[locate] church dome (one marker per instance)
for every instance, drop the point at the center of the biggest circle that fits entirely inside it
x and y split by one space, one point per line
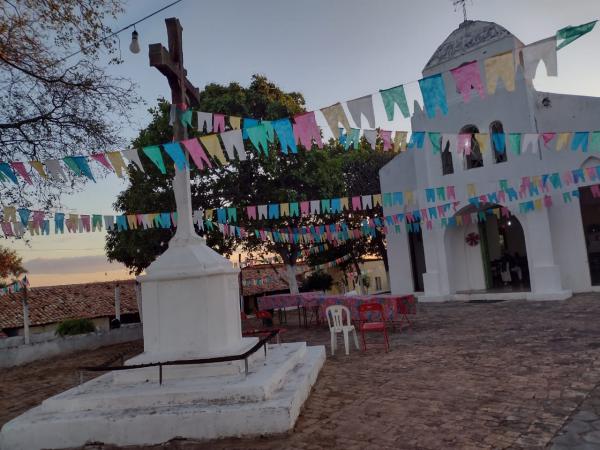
470 35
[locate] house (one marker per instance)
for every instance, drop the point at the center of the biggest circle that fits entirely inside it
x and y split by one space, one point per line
556 247
48 306
373 272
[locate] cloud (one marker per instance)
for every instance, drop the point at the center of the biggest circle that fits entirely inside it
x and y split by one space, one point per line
75 264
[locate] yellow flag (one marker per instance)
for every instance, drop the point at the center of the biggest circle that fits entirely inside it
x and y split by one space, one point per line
538 203
235 122
482 139
39 167
284 209
471 191
118 163
344 203
213 147
132 221
400 141
377 199
408 196
459 220
562 141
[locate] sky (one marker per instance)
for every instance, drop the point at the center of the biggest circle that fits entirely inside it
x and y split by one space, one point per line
329 50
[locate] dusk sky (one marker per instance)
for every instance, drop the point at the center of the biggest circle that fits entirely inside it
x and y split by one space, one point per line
329 50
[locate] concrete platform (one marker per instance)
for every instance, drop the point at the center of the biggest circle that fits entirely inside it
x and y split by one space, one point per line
268 400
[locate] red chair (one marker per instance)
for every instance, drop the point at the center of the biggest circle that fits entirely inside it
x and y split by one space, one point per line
365 312
259 331
405 305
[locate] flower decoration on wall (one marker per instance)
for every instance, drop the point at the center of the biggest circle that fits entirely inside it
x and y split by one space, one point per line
472 239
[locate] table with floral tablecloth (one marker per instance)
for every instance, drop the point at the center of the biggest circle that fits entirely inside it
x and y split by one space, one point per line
393 305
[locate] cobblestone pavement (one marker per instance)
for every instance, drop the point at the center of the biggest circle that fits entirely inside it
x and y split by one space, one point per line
582 431
470 376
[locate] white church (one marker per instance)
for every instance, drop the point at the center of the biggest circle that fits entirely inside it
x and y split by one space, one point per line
552 252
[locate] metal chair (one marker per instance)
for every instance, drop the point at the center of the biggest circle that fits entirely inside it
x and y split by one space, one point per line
365 312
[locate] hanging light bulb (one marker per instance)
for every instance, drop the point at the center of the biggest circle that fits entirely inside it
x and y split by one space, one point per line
134 47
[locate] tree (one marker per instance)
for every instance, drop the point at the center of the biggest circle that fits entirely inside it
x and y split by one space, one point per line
261 179
55 99
317 281
11 264
151 191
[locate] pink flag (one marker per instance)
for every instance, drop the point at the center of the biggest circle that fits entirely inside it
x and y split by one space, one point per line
595 190
468 77
547 201
501 196
218 123
7 229
429 225
356 205
306 129
251 212
450 193
591 173
505 212
567 177
38 218
424 214
441 211
466 219
101 158
20 168
386 136
85 222
305 208
547 137
197 153
464 143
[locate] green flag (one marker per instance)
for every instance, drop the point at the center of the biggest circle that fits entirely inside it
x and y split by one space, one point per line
394 96
569 34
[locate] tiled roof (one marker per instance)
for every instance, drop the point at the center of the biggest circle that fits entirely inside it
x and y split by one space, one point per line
261 271
56 303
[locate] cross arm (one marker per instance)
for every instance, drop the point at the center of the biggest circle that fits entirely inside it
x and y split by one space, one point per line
161 59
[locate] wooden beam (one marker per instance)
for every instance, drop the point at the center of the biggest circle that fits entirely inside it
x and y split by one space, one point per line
161 59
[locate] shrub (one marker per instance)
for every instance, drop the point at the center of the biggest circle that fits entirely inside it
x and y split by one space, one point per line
75 326
317 281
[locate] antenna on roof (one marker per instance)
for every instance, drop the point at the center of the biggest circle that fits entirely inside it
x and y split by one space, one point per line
463 3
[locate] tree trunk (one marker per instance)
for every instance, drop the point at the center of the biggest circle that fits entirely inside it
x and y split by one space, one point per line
291 276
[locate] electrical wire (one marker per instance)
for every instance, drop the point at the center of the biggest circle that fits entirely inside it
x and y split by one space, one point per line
133 24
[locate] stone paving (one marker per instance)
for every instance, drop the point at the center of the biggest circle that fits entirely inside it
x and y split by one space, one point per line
513 374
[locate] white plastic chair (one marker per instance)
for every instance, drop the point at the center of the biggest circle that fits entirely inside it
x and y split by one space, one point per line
335 320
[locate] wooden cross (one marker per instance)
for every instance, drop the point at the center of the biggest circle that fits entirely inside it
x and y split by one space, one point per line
170 64
464 7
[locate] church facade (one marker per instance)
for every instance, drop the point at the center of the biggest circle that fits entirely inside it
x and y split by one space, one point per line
548 253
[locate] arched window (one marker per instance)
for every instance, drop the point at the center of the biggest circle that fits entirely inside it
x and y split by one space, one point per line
447 167
474 159
499 153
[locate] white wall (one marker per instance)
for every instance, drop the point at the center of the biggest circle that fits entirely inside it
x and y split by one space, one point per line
45 345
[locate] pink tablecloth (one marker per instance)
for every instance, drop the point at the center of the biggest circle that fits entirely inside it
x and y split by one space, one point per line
392 304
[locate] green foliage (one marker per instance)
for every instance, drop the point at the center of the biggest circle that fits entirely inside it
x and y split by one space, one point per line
71 327
317 281
262 179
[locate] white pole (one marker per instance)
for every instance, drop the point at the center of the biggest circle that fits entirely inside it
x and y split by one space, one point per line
118 302
25 316
138 298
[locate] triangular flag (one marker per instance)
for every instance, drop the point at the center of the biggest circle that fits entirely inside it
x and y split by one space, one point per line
335 115
101 158
20 168
6 170
39 168
84 167
258 137
362 106
197 153
133 157
394 96
154 153
233 143
176 153
71 164
116 159
571 33
213 147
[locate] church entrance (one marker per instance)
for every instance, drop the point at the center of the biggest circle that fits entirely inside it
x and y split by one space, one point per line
590 216
417 259
487 257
